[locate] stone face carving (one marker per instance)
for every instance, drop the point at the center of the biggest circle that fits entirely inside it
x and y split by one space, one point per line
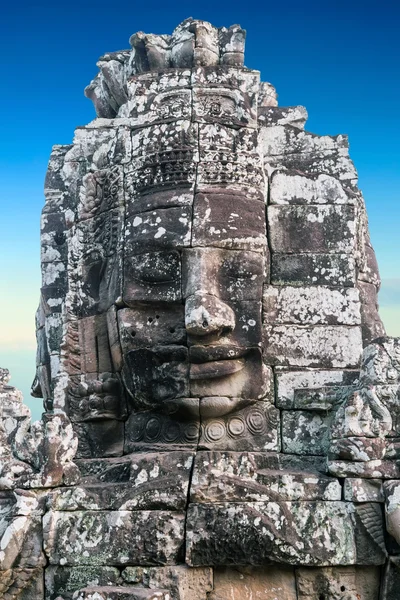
37 455
365 426
212 427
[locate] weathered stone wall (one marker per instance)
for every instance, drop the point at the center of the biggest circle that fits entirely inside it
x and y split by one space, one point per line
212 428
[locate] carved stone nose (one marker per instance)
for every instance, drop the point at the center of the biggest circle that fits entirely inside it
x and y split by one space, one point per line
206 314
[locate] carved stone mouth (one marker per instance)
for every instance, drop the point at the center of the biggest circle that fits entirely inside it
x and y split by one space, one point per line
216 368
204 354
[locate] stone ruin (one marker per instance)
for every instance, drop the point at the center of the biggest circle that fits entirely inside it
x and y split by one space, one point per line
222 407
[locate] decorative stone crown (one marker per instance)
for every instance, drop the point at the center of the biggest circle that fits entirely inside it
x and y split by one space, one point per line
193 44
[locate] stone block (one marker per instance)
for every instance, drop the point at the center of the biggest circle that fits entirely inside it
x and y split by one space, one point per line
318 388
313 305
282 115
22 503
104 229
393 448
312 269
55 252
54 323
114 538
285 139
165 158
257 477
372 326
356 448
64 581
144 327
153 432
222 138
170 135
391 579
108 470
99 285
369 270
225 95
54 274
255 427
87 141
94 276
164 198
165 98
156 482
248 583
391 490
312 229
234 152
99 438
120 593
113 338
388 394
89 345
54 179
101 191
256 533
228 171
372 469
249 382
291 187
155 376
152 276
327 346
160 228
231 45
22 584
53 298
96 397
267 96
228 218
234 275
53 228
307 152
305 432
21 542
184 583
337 583
363 490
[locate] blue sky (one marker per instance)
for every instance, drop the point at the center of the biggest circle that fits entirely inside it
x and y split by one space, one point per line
339 59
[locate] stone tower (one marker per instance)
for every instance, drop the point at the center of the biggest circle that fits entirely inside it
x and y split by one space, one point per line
218 424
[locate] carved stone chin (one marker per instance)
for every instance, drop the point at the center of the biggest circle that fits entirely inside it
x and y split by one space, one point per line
221 403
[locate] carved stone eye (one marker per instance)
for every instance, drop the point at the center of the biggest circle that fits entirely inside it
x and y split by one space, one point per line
157 267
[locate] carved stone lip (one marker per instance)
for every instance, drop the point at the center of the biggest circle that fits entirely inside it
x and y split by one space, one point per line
215 368
217 406
203 354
